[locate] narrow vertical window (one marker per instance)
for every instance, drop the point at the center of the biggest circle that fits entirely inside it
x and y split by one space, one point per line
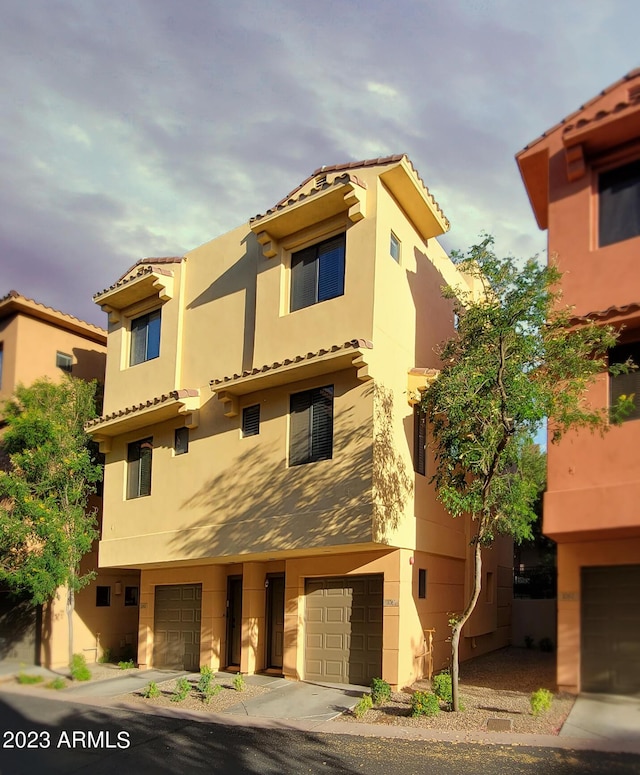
311 426
419 440
139 455
394 247
317 273
251 420
145 338
181 441
103 597
422 583
488 587
625 384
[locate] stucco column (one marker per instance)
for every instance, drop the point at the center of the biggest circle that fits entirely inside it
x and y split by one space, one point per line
213 622
253 617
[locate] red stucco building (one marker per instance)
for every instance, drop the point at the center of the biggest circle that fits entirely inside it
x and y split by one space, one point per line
582 177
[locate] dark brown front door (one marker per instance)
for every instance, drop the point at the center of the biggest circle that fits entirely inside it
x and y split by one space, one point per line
275 621
234 620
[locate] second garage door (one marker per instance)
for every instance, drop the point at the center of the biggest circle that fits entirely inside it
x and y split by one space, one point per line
176 630
343 629
610 652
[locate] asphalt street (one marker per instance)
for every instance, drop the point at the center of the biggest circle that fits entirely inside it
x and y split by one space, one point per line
45 737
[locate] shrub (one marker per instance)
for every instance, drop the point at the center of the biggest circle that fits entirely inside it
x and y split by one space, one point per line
239 684
210 692
126 665
57 684
546 645
540 701
79 669
181 691
106 656
26 678
151 690
441 685
424 704
364 704
206 679
380 691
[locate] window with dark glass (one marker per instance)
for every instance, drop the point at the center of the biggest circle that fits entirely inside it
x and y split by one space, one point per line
619 204
317 273
139 455
625 384
103 596
181 441
422 583
419 440
131 596
311 429
394 247
251 420
145 338
64 361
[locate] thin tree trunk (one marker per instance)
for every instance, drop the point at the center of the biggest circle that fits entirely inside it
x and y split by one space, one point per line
457 628
70 609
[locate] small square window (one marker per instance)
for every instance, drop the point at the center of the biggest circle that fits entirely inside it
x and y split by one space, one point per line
103 596
317 273
131 595
251 420
64 362
422 583
181 443
394 247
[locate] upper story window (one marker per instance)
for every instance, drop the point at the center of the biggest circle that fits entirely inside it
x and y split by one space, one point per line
419 440
139 455
64 361
251 420
626 384
181 441
394 247
145 338
317 273
311 429
619 204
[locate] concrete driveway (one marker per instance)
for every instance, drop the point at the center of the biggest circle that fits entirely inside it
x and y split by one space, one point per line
604 717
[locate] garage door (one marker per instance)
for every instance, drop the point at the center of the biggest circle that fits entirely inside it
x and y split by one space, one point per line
176 629
343 629
610 654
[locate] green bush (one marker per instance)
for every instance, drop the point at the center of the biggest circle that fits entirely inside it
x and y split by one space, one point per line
181 691
380 691
106 656
57 684
210 692
239 684
540 701
126 665
441 685
207 678
26 678
364 704
151 690
79 669
424 704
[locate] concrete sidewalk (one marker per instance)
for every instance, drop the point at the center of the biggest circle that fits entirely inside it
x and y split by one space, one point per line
604 717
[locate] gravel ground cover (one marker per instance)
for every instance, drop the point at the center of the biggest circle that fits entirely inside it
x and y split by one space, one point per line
496 685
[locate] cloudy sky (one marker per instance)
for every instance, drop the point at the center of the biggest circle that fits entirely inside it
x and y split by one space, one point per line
136 128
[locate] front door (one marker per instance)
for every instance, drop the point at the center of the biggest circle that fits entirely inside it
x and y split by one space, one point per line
234 620
275 621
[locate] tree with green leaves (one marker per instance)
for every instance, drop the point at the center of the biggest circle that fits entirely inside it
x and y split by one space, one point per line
46 526
515 359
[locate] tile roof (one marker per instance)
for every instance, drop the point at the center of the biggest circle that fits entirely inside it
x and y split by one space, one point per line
15 296
143 270
154 261
565 122
355 344
173 395
602 315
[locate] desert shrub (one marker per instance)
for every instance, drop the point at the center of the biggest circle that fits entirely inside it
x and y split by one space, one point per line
424 704
380 691
57 684
126 664
540 701
546 645
441 685
181 691
210 692
26 678
364 704
79 669
239 684
151 690
106 656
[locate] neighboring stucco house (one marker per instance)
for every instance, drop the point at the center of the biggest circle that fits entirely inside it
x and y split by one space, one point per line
37 341
583 180
265 467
